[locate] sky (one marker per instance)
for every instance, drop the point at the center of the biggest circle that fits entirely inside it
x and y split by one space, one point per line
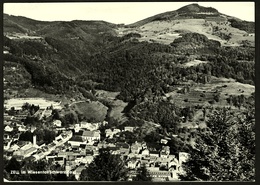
118 12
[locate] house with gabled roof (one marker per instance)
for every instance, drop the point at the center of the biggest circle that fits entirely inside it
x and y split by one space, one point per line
91 136
26 152
129 129
22 128
145 152
89 126
8 128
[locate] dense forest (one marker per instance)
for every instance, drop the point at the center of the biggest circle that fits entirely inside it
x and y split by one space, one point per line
133 68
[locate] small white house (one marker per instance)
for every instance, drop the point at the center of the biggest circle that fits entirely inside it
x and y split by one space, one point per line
8 128
145 152
129 129
57 123
22 129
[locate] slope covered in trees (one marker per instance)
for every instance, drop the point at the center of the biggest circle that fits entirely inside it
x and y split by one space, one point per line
226 152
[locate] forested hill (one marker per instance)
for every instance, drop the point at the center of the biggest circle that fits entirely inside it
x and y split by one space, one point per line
63 57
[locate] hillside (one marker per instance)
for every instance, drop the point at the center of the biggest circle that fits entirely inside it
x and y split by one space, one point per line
165 27
142 63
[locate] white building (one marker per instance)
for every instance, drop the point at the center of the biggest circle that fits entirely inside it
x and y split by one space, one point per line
57 123
129 129
8 128
91 136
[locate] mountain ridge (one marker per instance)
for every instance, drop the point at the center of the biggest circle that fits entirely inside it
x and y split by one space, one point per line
191 10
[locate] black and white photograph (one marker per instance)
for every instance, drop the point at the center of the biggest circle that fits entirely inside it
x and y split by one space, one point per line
129 91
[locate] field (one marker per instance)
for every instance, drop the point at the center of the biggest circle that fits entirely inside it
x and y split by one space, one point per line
194 63
201 94
117 106
17 103
92 110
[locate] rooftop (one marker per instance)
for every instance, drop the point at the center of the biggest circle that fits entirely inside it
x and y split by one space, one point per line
30 150
90 133
76 139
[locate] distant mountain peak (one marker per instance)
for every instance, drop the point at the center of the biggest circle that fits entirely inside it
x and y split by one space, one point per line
196 8
189 11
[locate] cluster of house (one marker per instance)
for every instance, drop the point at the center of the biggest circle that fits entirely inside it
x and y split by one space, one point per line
160 164
36 150
84 145
74 148
13 127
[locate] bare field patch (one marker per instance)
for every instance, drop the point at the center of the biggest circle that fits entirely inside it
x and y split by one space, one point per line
194 63
237 88
117 106
93 111
204 94
17 103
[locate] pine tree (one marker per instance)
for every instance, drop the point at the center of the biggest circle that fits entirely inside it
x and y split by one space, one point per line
224 153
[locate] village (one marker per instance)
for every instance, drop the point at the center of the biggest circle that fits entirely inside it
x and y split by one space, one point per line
76 146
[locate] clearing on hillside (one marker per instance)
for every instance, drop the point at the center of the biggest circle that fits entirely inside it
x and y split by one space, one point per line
93 111
116 106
